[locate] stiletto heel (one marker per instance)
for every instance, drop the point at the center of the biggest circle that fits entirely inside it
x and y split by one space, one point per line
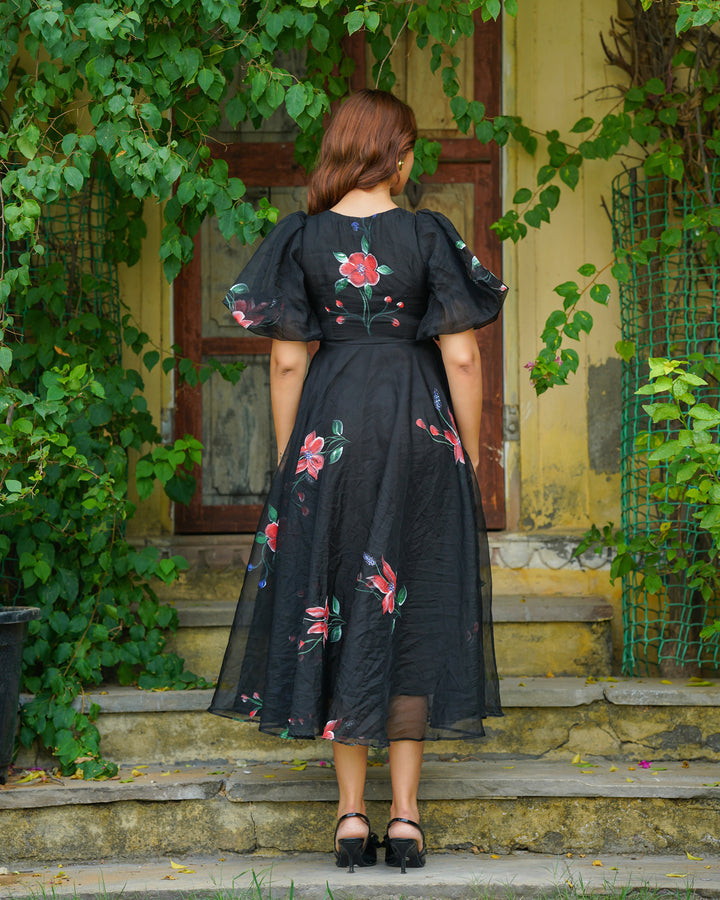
404 852
355 851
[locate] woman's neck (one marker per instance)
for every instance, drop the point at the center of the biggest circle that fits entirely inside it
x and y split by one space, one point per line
360 202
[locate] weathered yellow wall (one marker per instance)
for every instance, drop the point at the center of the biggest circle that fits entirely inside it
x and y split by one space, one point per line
562 475
147 296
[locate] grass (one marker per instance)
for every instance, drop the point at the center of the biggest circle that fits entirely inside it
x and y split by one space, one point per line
566 886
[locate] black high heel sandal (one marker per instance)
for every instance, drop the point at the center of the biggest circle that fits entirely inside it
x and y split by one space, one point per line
355 851
404 852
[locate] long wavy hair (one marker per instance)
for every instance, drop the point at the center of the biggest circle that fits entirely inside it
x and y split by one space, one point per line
362 146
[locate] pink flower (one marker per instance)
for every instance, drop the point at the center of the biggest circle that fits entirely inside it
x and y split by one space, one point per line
386 586
360 269
329 732
529 365
420 423
321 613
242 312
644 764
271 531
452 438
434 430
311 459
340 320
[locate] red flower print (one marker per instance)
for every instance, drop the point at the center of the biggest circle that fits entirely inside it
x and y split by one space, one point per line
452 438
395 323
360 269
242 312
388 299
340 320
434 430
321 613
271 534
311 458
329 732
420 423
386 586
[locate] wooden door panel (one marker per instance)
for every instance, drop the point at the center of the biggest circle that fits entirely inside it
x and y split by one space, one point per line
234 422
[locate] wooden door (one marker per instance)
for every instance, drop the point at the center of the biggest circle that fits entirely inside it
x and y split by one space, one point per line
234 422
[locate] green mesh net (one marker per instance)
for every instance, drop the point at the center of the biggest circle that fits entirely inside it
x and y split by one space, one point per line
669 308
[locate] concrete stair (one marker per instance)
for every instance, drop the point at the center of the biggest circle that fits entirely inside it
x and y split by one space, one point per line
495 806
559 773
533 635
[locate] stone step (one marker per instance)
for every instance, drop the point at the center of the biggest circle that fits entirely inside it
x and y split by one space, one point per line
533 635
457 874
498 806
545 718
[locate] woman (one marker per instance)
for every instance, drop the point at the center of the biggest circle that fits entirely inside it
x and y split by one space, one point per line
369 570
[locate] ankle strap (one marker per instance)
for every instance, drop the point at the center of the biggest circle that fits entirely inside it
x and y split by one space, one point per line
352 815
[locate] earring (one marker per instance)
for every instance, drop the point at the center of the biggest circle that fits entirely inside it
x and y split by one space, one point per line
400 165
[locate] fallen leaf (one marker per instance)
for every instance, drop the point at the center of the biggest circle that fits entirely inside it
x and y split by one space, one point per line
586 772
631 768
174 865
613 768
550 675
596 862
300 767
508 767
136 773
696 858
494 856
591 679
29 776
125 780
676 875
665 681
221 859
685 764
629 780
521 684
169 878
163 774
144 766
699 683
268 776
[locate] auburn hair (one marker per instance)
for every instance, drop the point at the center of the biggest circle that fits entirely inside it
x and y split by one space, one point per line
362 146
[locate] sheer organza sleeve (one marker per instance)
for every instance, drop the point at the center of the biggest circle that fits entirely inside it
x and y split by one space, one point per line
462 293
268 297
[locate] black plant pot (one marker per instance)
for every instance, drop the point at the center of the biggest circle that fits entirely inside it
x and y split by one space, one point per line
13 631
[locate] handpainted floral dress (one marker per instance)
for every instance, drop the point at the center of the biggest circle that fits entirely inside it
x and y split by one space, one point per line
369 573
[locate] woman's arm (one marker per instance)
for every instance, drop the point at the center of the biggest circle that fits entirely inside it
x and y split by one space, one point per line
288 365
461 358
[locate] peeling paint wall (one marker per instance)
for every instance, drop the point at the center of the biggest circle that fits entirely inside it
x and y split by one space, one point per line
564 472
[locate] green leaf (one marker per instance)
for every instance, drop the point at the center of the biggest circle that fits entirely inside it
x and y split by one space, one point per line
625 349
570 174
73 177
587 269
522 196
354 21
584 124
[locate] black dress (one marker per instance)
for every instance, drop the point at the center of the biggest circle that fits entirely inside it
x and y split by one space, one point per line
370 572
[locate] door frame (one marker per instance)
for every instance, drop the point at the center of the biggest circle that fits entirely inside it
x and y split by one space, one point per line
462 160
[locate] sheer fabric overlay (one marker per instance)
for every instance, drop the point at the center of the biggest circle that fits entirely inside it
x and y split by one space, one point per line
369 576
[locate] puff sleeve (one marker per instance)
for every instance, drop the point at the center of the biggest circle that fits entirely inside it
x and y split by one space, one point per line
268 297
462 293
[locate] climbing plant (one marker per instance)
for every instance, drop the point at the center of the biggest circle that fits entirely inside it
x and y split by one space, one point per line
135 90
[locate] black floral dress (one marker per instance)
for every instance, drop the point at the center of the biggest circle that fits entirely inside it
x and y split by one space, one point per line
369 573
